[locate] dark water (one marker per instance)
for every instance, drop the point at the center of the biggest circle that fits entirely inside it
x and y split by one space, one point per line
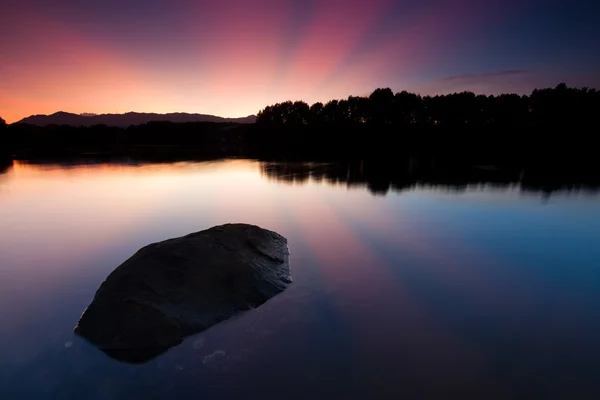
400 290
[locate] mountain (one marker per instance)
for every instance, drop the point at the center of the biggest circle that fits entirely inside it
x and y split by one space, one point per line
125 120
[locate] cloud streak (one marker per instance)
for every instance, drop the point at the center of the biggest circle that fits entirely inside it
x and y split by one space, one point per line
519 81
486 76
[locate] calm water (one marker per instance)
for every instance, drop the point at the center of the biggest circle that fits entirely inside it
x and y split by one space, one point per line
422 292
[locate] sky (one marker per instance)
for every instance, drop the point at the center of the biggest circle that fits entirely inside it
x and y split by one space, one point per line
233 57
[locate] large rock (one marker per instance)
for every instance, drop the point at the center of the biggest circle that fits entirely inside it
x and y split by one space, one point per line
181 286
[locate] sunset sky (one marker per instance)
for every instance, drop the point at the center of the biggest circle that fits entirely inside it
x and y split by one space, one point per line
233 57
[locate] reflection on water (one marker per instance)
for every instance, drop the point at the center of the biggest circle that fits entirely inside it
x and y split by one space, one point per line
381 177
455 283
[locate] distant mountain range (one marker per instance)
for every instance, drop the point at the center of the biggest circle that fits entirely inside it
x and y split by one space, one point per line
125 120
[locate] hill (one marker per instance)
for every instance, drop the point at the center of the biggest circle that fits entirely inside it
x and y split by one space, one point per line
125 120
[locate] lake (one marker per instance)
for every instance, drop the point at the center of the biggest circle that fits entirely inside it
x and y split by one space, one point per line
419 289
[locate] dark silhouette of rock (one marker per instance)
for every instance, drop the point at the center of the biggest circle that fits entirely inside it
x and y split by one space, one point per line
125 120
181 286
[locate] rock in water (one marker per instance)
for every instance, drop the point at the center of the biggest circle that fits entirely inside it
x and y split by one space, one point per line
181 286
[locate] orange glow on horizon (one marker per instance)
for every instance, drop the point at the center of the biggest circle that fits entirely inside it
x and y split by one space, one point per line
230 59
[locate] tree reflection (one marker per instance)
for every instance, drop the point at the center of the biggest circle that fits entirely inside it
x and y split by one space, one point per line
384 176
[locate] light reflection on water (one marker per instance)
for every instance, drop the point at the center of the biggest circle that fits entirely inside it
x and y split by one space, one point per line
472 289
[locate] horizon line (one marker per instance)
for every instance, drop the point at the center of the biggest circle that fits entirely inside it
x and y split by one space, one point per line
92 114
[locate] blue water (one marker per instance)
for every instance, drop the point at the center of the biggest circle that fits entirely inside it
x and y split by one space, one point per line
424 292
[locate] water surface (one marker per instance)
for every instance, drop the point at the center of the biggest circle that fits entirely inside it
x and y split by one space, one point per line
414 290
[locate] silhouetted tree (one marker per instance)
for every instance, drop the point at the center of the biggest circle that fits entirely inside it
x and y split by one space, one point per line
382 106
331 112
407 108
301 113
359 109
315 113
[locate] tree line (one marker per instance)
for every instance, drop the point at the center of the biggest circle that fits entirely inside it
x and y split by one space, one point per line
543 108
547 125
550 126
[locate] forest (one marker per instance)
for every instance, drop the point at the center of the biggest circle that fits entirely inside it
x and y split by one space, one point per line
549 123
